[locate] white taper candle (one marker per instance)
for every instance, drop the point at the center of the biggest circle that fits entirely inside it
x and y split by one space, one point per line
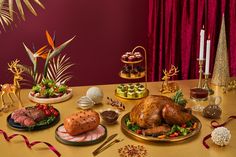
207 66
202 33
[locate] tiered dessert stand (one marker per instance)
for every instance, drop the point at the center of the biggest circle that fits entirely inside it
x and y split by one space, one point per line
133 71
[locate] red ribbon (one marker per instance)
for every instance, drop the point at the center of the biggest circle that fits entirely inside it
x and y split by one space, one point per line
216 124
28 144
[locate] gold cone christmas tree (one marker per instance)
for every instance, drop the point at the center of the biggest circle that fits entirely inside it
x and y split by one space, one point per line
220 75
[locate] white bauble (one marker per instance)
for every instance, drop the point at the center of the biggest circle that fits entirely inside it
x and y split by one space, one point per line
221 136
96 94
85 102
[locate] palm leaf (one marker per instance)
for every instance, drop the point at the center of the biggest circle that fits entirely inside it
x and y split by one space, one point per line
33 79
28 4
10 8
58 69
39 3
20 8
30 7
54 53
5 18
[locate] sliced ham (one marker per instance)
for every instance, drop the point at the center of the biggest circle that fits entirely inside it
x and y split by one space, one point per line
88 137
62 129
100 131
84 137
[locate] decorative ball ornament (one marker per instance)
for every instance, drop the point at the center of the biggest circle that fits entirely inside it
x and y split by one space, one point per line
221 136
85 102
96 94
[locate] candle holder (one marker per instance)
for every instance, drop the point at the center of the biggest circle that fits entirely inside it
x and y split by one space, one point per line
206 84
200 62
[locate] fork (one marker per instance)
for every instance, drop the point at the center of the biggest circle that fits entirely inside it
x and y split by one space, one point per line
107 146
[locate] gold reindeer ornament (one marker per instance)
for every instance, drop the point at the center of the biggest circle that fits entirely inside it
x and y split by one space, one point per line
12 88
172 86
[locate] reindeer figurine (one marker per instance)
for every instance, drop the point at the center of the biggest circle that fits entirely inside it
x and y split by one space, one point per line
166 86
12 88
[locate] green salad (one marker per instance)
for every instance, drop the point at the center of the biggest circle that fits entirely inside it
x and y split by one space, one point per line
48 89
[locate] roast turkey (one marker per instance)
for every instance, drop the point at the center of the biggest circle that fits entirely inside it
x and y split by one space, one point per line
156 110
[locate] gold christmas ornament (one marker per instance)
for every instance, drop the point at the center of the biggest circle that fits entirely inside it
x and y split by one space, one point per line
12 88
166 86
220 75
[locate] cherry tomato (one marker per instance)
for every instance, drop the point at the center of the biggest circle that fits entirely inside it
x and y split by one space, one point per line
175 134
139 131
40 107
47 112
45 107
55 113
52 110
183 125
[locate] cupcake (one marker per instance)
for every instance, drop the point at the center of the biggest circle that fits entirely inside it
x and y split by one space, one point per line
131 58
123 93
130 85
124 57
139 93
136 86
133 73
138 57
128 53
141 88
120 88
137 53
131 93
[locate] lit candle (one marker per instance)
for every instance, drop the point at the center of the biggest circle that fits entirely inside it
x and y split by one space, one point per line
207 55
202 33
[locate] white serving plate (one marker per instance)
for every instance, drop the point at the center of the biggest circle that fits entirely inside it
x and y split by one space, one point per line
51 100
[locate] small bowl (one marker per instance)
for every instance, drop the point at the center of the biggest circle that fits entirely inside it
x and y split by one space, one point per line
109 116
198 94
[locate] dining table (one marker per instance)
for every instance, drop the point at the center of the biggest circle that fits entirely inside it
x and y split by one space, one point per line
192 146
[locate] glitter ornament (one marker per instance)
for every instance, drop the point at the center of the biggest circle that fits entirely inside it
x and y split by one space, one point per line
96 94
221 136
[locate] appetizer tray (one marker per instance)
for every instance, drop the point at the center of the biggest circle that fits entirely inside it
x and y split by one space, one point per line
88 138
43 124
145 94
64 97
142 137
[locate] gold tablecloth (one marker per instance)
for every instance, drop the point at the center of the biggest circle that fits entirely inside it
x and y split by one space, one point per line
191 147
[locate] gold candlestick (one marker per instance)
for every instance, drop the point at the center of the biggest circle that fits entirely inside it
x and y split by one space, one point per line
206 86
200 61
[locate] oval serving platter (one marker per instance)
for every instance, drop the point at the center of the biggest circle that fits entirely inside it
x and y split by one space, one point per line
84 139
18 127
155 139
51 100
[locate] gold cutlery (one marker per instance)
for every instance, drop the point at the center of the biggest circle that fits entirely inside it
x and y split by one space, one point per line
107 146
108 140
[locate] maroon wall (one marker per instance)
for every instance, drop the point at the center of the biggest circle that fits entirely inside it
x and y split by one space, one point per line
105 29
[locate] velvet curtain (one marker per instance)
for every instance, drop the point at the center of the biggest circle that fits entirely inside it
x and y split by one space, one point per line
174 34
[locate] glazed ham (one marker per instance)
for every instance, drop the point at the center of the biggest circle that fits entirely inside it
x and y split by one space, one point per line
27 117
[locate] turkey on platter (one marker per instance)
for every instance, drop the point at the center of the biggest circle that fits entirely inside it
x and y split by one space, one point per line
156 114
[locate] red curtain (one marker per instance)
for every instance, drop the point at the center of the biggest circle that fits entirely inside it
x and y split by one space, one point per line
174 34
